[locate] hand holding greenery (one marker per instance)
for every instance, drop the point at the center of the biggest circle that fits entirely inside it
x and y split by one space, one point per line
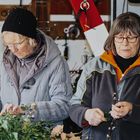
22 127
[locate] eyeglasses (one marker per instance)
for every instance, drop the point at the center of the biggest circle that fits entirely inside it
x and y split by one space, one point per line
130 39
9 45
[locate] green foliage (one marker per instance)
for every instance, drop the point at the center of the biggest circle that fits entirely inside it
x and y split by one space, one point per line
21 127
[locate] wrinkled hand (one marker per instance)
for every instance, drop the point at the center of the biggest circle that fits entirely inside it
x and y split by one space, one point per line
12 109
121 109
94 116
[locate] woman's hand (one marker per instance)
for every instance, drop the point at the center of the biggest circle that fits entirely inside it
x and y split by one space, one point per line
121 109
94 116
12 109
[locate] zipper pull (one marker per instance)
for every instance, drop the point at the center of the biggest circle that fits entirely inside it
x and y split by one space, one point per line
122 76
22 63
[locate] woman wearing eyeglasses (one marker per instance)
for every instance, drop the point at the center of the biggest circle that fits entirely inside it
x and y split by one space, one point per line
107 101
33 70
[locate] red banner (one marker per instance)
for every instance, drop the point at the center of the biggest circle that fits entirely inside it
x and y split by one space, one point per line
89 19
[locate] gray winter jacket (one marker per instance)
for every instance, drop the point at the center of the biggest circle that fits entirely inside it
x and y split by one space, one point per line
47 83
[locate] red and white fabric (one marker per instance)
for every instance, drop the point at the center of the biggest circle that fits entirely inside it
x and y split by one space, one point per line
92 25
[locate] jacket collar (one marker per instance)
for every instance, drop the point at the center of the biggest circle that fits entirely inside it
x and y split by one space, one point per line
108 57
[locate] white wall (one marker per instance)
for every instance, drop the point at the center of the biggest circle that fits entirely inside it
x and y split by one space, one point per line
14 2
132 7
78 51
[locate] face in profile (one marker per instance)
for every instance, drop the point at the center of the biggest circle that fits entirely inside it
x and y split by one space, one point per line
19 45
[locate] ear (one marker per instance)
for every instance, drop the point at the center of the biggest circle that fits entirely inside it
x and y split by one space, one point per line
32 42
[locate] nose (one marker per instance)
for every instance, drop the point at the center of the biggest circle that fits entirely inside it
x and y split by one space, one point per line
125 41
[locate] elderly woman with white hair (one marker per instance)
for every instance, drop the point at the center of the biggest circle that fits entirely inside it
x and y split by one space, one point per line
33 70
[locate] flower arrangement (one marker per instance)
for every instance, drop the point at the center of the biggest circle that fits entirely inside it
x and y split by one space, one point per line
22 127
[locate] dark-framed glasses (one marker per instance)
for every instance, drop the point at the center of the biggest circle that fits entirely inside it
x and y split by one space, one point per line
130 39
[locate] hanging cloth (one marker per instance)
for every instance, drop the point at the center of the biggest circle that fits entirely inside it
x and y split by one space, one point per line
91 23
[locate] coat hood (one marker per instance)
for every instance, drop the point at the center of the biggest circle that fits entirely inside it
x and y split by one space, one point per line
50 47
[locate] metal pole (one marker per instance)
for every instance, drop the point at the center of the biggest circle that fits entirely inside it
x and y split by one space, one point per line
114 8
20 3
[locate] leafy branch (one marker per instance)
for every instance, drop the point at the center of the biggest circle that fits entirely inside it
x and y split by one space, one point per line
22 127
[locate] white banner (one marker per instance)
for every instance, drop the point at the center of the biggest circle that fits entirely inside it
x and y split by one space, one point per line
96 38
